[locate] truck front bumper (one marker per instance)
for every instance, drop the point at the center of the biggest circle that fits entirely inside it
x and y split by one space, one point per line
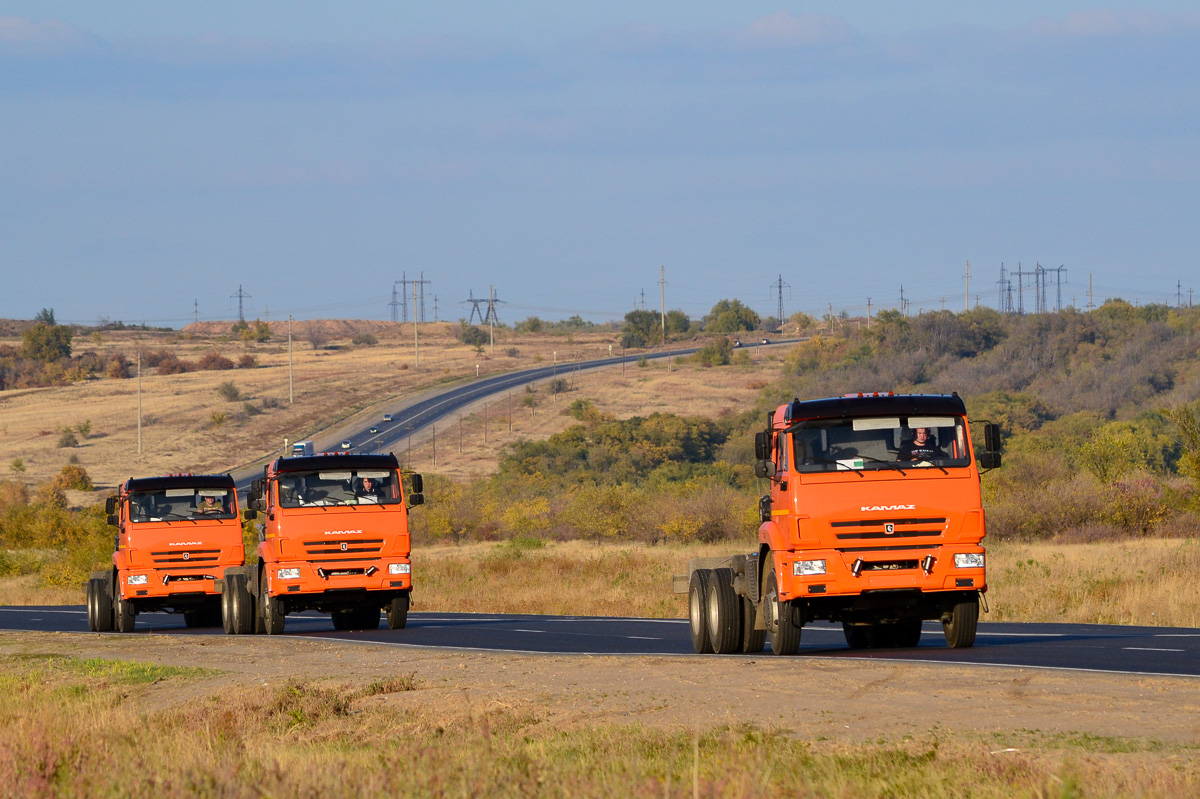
304 577
926 569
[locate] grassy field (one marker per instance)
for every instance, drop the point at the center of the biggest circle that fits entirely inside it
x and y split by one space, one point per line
72 727
337 387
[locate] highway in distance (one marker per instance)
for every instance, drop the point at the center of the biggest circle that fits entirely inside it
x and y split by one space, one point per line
1088 647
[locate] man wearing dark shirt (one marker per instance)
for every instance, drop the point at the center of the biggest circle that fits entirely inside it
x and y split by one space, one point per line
921 448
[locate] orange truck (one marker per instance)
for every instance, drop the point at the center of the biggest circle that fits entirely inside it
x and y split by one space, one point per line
334 539
175 537
874 519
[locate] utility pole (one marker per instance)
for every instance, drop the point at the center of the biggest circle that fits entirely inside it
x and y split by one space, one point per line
1090 305
967 296
1178 293
416 344
402 299
779 286
396 303
139 402
868 313
420 316
491 319
291 387
196 311
240 296
662 284
435 308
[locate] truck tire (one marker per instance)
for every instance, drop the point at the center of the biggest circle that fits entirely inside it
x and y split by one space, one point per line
341 619
191 618
104 607
881 636
91 605
908 633
698 610
753 640
126 615
960 626
397 612
781 626
237 606
271 613
724 613
856 635
366 617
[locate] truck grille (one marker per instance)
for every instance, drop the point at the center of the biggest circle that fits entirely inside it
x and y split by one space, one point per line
354 549
182 558
890 565
901 528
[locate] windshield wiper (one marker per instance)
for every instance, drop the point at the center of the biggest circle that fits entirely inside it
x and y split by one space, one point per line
179 516
835 463
931 463
889 464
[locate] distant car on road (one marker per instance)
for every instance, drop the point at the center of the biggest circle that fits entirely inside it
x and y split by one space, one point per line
374 429
387 417
737 344
765 341
346 444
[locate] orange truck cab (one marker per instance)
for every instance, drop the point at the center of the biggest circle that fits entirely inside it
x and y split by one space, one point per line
334 538
874 519
175 537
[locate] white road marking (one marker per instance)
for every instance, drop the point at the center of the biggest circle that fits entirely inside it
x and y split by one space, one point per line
1177 635
1151 649
23 610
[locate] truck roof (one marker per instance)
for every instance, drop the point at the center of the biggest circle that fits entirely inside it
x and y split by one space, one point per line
179 481
309 463
876 405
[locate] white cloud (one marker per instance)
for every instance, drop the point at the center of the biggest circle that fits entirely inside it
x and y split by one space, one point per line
1115 23
784 29
24 34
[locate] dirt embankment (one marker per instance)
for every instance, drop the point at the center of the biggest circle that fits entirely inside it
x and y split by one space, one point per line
855 701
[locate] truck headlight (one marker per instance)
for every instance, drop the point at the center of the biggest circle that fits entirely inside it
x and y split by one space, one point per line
805 567
136 579
968 560
399 568
288 574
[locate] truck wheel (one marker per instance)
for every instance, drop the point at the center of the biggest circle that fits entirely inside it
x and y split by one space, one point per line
908 633
724 613
237 606
104 607
856 635
752 640
91 606
366 617
698 610
881 636
126 615
781 627
960 627
191 618
272 615
397 612
341 619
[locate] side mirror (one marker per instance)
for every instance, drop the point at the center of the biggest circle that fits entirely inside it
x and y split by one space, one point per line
256 488
764 468
762 445
415 500
110 505
418 484
989 460
991 437
113 520
250 514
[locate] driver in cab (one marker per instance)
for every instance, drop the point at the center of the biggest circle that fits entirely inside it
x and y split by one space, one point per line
922 447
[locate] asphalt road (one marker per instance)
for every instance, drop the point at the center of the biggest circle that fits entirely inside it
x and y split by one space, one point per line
412 418
1083 647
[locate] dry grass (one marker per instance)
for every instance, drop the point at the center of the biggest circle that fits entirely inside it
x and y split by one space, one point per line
1142 582
69 729
336 388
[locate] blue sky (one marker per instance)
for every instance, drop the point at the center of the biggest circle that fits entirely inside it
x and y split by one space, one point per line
154 154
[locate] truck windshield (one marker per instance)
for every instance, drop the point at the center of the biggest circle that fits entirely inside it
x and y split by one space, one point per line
872 443
169 504
343 487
